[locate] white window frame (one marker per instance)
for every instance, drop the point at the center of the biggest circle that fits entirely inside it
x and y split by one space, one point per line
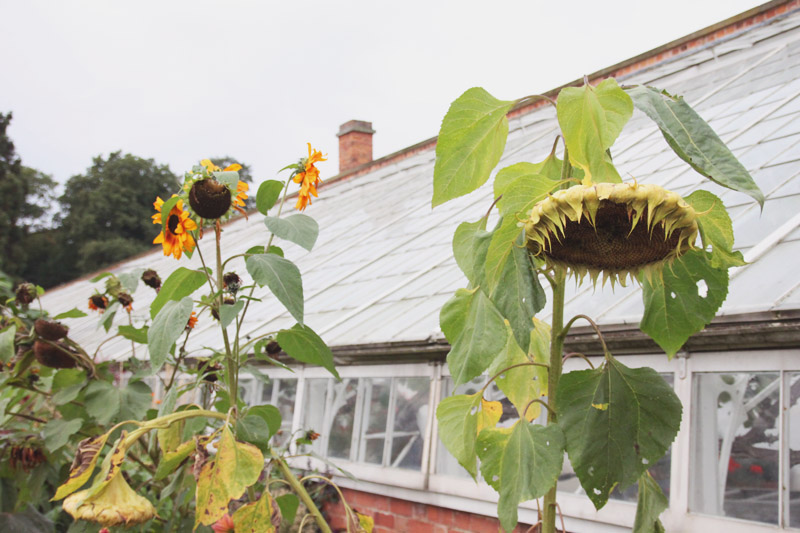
426 486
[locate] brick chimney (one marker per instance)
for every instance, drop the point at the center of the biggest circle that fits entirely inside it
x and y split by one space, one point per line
355 144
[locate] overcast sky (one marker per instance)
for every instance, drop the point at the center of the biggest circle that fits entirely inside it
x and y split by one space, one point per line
178 81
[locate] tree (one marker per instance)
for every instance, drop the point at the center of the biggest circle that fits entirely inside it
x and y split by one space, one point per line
107 210
25 197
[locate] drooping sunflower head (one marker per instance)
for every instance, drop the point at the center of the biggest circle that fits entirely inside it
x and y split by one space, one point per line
209 198
114 505
617 229
175 237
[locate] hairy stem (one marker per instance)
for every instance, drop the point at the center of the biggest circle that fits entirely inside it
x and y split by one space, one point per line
556 354
301 491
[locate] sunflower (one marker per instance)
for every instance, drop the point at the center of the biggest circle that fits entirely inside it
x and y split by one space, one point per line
308 178
175 237
113 505
241 196
98 302
596 228
211 167
192 322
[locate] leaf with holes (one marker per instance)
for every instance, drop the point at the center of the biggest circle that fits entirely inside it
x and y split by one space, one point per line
716 229
521 463
682 300
459 418
591 118
470 144
617 421
693 140
476 331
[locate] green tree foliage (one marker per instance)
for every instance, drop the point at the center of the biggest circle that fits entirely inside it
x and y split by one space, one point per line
25 195
107 210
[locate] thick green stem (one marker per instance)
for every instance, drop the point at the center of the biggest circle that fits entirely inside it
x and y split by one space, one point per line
556 355
231 364
301 491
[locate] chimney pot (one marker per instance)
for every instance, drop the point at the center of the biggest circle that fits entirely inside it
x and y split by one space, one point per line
355 144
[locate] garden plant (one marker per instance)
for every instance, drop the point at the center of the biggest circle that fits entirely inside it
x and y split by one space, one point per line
565 218
169 464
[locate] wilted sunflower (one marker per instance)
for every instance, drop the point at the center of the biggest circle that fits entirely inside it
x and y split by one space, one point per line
113 505
308 178
98 302
175 237
618 229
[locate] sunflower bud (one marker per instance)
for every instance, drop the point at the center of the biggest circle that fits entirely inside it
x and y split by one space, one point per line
113 505
26 293
210 198
50 329
152 279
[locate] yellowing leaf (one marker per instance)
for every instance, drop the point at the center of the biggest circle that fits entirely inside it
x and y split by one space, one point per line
489 415
83 465
591 118
256 517
235 467
365 523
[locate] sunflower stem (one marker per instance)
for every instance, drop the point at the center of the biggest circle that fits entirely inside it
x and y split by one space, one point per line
305 497
553 376
231 365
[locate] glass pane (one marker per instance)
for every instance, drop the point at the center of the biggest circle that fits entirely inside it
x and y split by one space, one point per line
266 391
314 407
286 392
794 449
342 411
411 397
373 424
445 463
735 445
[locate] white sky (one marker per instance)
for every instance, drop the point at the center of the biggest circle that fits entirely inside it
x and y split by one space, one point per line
178 81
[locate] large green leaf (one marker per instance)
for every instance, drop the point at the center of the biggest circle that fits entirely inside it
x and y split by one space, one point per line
693 140
517 292
617 421
180 284
228 312
283 279
682 300
288 504
268 194
500 248
301 343
7 349
167 327
651 503
523 384
458 428
235 467
716 229
523 193
591 118
299 229
67 384
470 144
135 334
521 463
106 402
470 243
476 332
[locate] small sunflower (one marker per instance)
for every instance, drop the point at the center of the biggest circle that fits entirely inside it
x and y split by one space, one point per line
308 178
192 322
596 228
175 237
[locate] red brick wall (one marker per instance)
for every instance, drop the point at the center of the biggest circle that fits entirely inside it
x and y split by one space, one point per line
355 149
392 515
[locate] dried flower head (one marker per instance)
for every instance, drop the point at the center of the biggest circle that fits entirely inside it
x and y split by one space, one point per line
51 330
232 282
26 293
617 229
98 302
151 278
54 355
125 300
